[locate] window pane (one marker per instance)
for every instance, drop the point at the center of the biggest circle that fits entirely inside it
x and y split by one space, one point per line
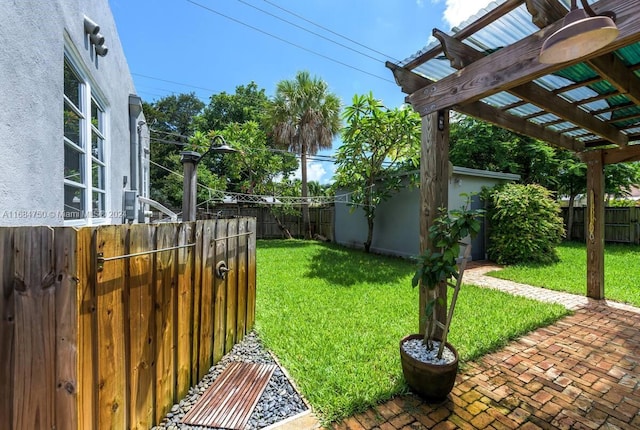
72 85
72 125
73 202
73 164
97 176
96 116
97 143
98 205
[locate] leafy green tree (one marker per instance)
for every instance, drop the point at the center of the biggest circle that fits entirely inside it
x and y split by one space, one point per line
479 145
248 103
377 140
174 113
169 118
320 190
255 171
305 117
620 178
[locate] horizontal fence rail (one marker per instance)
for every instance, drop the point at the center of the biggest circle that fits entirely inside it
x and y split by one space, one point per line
114 348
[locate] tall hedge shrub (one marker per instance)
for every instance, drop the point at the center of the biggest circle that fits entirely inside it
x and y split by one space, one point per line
525 224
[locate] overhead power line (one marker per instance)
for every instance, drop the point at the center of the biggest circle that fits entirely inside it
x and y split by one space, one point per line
316 157
329 30
173 82
220 196
326 57
309 31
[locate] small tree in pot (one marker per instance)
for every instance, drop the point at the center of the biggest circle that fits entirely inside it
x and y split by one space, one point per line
423 366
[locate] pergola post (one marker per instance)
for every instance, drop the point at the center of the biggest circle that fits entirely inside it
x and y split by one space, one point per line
595 224
434 193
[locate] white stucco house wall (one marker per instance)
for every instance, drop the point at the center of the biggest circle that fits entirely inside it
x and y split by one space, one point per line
73 141
397 224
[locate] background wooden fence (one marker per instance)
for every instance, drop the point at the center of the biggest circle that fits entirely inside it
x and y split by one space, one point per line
113 344
621 224
267 226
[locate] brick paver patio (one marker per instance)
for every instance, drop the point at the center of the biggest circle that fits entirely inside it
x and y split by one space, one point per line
583 372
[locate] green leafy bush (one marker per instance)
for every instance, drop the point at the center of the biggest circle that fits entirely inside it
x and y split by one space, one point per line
525 224
623 203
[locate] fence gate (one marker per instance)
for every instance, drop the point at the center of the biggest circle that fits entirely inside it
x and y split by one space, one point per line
107 327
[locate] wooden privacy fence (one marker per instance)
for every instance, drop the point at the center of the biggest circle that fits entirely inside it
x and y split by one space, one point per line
107 327
622 224
267 226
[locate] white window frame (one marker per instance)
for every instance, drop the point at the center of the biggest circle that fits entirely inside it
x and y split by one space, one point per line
88 92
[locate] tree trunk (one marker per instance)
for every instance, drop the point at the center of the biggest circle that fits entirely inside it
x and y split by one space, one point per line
306 223
572 199
367 244
285 231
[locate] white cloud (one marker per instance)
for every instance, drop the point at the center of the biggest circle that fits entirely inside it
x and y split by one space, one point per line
457 11
315 172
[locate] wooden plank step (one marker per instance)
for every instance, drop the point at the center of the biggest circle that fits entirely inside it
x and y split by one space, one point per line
230 400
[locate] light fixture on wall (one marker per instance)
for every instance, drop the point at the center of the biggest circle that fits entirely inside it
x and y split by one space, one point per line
96 39
582 32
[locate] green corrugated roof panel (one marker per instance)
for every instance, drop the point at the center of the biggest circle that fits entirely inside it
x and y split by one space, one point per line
577 73
630 55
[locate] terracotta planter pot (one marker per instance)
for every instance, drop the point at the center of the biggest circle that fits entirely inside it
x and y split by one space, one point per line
433 382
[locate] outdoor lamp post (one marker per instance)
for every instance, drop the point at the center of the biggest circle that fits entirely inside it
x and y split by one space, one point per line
190 160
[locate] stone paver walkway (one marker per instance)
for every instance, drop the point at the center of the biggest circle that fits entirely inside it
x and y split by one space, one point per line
583 372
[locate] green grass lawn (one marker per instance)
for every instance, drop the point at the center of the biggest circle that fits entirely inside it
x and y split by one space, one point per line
621 273
334 317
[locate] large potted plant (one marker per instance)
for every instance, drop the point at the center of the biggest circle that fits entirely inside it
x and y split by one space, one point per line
429 363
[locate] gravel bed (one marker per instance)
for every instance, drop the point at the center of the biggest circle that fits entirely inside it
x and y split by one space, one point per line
278 401
416 349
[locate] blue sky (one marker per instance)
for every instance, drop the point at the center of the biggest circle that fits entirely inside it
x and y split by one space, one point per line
210 46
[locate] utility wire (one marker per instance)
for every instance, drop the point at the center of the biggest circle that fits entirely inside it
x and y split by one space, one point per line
309 31
174 82
287 41
283 40
329 30
338 198
316 157
169 133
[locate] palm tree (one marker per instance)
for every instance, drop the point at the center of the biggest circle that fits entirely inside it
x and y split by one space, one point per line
305 117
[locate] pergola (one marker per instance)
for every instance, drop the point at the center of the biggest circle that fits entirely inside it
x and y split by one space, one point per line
490 70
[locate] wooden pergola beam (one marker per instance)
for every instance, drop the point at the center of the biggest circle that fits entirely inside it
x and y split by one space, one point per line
545 12
621 155
410 82
613 70
479 24
518 125
461 55
518 63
